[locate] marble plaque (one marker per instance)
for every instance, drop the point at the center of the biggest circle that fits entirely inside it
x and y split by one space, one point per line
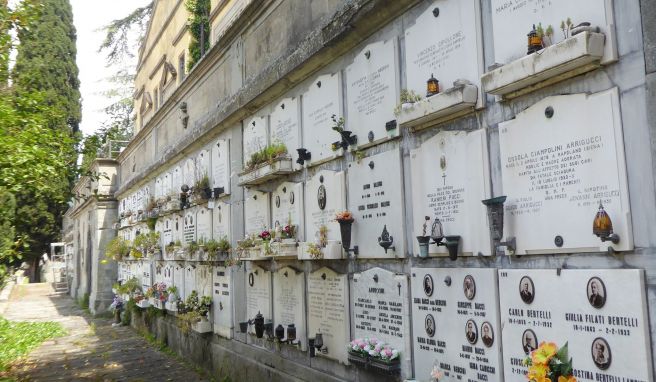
204 280
159 272
557 170
289 302
371 91
287 202
166 184
159 228
221 165
601 313
204 224
256 211
328 312
202 164
285 126
179 279
379 308
450 176
512 20
146 275
446 47
221 301
167 232
322 100
255 136
376 201
189 228
455 323
258 295
176 180
177 229
221 221
325 196
167 273
189 172
158 187
189 279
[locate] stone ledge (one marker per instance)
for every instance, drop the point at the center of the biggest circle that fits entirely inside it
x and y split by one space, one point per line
450 104
571 57
266 172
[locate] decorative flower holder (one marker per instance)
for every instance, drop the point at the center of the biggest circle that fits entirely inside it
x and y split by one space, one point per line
172 205
157 256
158 304
376 365
179 254
171 307
284 249
145 303
266 172
332 251
202 326
345 227
424 242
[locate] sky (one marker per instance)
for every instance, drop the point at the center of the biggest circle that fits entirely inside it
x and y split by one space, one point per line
89 16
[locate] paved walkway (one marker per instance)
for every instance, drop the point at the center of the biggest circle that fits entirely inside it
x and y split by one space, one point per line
92 350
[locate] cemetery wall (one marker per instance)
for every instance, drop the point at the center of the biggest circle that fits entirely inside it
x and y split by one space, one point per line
556 132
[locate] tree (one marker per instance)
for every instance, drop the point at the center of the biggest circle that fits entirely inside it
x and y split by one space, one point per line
119 35
46 62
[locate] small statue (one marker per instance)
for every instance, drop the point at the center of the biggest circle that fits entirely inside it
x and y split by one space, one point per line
184 117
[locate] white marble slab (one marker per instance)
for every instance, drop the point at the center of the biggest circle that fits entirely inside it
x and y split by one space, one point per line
285 126
325 195
328 312
167 273
615 316
179 279
189 172
287 206
204 280
221 221
447 46
176 180
167 187
221 165
177 228
203 223
189 226
455 323
189 279
256 211
556 170
258 295
372 91
255 136
322 100
375 199
158 187
202 164
222 301
379 309
512 21
289 302
450 176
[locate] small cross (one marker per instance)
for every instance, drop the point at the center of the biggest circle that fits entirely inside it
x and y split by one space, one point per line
444 177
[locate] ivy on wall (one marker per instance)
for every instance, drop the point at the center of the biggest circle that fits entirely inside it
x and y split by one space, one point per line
199 26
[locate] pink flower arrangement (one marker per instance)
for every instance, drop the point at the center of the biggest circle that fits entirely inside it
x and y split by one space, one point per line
374 348
265 235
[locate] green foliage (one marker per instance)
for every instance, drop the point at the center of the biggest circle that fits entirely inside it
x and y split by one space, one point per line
130 307
117 249
266 155
199 13
46 62
117 42
18 338
147 243
7 216
192 247
128 287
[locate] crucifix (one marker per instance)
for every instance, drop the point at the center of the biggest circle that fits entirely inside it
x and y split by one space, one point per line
444 178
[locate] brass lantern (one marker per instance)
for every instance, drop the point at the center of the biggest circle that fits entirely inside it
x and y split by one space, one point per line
432 86
534 41
602 226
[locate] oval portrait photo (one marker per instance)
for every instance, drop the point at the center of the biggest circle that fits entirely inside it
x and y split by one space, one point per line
487 334
526 289
529 341
429 325
601 355
428 285
596 291
469 287
471 332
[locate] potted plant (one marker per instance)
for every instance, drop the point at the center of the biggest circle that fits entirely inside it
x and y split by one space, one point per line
117 249
218 250
407 99
194 314
246 248
171 303
424 240
202 190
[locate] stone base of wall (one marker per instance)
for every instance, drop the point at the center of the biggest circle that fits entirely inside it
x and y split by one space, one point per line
238 361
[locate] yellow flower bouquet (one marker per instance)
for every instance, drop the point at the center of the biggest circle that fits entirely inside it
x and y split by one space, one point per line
548 363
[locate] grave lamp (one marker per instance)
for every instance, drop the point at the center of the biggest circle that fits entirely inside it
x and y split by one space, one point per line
495 220
432 86
316 345
258 321
602 226
534 41
303 155
345 227
451 242
217 192
385 240
280 332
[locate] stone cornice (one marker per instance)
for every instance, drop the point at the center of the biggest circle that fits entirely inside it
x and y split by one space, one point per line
350 26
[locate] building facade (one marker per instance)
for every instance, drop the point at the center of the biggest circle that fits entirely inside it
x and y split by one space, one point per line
459 179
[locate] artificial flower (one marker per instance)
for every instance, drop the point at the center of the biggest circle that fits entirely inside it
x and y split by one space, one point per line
543 354
537 371
566 379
